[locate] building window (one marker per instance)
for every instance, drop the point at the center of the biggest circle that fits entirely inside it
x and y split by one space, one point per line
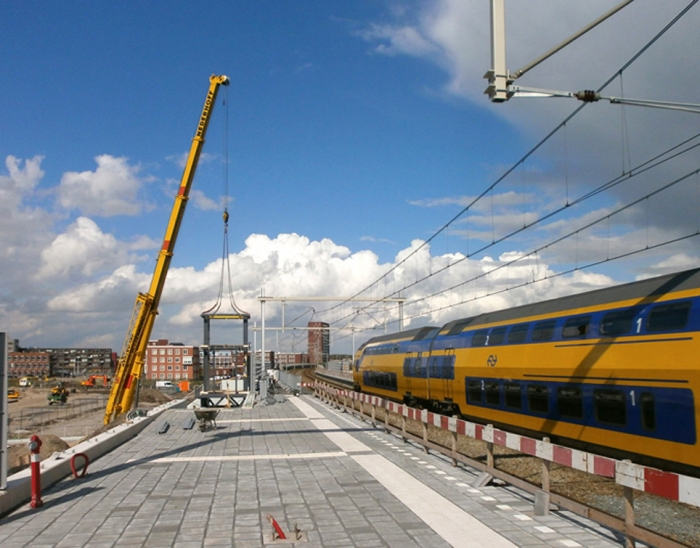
185 351
170 351
162 351
177 351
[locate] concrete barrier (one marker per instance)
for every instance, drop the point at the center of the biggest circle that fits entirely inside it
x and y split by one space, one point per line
57 466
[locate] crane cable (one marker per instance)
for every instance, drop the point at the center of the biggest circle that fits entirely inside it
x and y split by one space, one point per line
225 262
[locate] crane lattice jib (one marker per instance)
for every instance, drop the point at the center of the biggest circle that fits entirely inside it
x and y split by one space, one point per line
123 378
131 362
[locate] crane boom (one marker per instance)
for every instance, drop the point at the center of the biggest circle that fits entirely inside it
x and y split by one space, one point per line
130 364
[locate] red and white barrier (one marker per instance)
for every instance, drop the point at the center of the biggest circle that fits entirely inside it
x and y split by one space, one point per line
642 478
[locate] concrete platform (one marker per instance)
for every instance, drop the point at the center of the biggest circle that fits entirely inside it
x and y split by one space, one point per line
342 482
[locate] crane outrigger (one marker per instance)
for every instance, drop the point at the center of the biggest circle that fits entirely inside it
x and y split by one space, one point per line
131 361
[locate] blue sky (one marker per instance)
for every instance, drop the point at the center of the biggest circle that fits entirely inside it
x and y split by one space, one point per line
353 131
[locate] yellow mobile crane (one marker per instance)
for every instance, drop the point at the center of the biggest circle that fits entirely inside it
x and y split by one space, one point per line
131 361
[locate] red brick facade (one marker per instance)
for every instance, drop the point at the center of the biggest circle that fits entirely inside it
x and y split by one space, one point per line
172 361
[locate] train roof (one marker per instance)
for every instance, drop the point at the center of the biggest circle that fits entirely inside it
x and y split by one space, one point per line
648 289
643 290
416 334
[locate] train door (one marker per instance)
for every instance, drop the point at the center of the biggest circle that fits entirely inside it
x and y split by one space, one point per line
420 372
448 374
408 372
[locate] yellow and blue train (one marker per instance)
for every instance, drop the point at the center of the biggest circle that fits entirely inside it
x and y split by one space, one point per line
614 370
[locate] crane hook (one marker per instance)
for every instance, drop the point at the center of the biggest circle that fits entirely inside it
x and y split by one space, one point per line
225 216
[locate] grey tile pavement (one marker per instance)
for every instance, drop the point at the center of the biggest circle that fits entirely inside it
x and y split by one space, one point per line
128 498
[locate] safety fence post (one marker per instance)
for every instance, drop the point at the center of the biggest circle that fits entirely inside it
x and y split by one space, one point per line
34 447
454 448
424 424
628 493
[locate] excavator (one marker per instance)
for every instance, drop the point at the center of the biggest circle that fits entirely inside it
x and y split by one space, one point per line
130 365
95 381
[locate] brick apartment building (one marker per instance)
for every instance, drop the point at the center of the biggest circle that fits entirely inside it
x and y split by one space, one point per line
61 362
28 364
226 362
285 359
171 361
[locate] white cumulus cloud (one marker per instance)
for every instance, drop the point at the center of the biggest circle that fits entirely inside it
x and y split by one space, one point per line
112 189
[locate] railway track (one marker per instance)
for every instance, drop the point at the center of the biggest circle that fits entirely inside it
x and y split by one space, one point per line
677 522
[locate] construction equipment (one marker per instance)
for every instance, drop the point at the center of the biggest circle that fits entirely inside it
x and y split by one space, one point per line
12 394
130 364
96 381
25 382
58 394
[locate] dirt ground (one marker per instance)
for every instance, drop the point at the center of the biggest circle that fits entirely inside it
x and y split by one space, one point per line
62 434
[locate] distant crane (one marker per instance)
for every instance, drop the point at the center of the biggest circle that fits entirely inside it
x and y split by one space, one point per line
131 361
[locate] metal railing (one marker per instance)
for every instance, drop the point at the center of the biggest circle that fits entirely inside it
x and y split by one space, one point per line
390 412
34 418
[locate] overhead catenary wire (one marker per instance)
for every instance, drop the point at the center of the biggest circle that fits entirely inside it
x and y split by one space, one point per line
491 187
658 160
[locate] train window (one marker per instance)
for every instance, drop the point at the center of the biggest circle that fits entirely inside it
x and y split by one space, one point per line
666 317
610 406
480 337
458 327
434 369
513 394
497 336
570 401
576 327
618 323
543 331
407 367
417 368
538 398
474 391
518 333
493 393
648 411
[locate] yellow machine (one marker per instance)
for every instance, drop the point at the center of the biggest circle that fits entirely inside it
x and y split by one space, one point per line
58 394
131 361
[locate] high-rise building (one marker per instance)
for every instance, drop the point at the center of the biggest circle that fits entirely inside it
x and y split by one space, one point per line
319 342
